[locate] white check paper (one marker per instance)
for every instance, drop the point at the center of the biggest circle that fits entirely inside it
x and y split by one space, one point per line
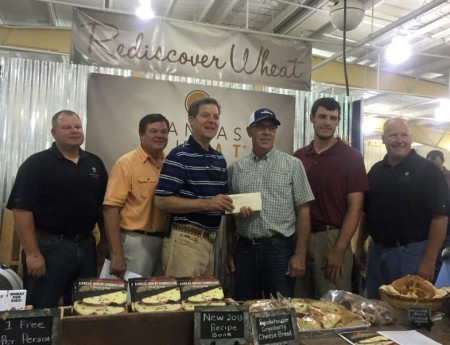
252 200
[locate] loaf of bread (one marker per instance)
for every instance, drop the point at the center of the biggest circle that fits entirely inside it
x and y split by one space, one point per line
414 286
311 314
116 298
151 308
79 308
410 291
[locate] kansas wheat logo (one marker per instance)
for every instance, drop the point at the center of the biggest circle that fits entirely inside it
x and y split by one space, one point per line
94 173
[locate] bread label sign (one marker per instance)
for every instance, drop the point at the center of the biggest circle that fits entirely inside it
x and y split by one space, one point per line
227 325
30 327
275 327
420 317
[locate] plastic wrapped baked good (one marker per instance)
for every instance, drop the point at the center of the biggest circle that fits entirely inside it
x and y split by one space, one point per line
312 315
375 311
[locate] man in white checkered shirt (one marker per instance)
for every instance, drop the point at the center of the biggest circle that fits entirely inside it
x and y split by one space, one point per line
266 249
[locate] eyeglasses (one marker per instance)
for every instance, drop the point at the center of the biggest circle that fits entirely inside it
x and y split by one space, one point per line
261 127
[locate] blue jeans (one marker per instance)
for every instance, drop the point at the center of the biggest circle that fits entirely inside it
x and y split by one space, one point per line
439 259
65 261
386 264
261 268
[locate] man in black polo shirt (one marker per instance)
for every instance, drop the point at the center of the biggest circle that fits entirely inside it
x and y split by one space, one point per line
405 212
56 201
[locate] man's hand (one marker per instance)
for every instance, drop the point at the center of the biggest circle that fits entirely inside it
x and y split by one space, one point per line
296 266
36 265
118 266
426 270
333 264
220 202
245 212
229 264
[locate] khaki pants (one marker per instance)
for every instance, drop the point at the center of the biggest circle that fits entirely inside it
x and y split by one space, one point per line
186 255
315 283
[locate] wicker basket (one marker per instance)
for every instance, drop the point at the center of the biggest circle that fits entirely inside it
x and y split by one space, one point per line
403 302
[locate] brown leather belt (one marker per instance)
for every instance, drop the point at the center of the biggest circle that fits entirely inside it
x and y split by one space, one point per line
320 228
146 233
210 235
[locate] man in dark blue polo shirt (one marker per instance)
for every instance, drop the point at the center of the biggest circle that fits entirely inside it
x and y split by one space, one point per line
56 201
405 212
192 186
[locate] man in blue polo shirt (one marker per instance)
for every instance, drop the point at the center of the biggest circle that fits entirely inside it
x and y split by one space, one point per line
193 187
56 201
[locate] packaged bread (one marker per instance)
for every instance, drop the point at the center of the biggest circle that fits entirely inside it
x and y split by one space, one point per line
374 311
200 291
99 297
319 314
154 294
312 315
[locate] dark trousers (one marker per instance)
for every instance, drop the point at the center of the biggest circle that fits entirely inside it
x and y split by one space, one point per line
65 261
261 268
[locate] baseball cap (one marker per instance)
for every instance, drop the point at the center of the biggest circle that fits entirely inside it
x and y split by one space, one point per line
263 114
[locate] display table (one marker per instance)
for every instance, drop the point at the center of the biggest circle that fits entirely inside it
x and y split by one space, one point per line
440 332
178 329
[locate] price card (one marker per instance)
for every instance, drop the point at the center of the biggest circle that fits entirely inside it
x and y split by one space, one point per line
227 325
30 327
275 327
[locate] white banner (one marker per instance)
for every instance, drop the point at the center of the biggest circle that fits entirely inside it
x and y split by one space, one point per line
116 104
188 49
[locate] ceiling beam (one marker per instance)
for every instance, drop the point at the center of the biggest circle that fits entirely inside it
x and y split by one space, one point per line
206 10
423 9
223 12
170 6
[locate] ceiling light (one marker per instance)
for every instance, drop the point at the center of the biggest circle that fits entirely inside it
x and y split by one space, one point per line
144 11
398 51
354 17
369 125
442 113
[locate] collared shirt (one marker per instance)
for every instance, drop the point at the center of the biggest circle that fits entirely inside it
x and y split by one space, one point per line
190 171
333 174
402 199
446 174
64 197
131 186
282 182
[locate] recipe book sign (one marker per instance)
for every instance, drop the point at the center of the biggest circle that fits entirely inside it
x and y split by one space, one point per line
221 325
40 326
275 327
